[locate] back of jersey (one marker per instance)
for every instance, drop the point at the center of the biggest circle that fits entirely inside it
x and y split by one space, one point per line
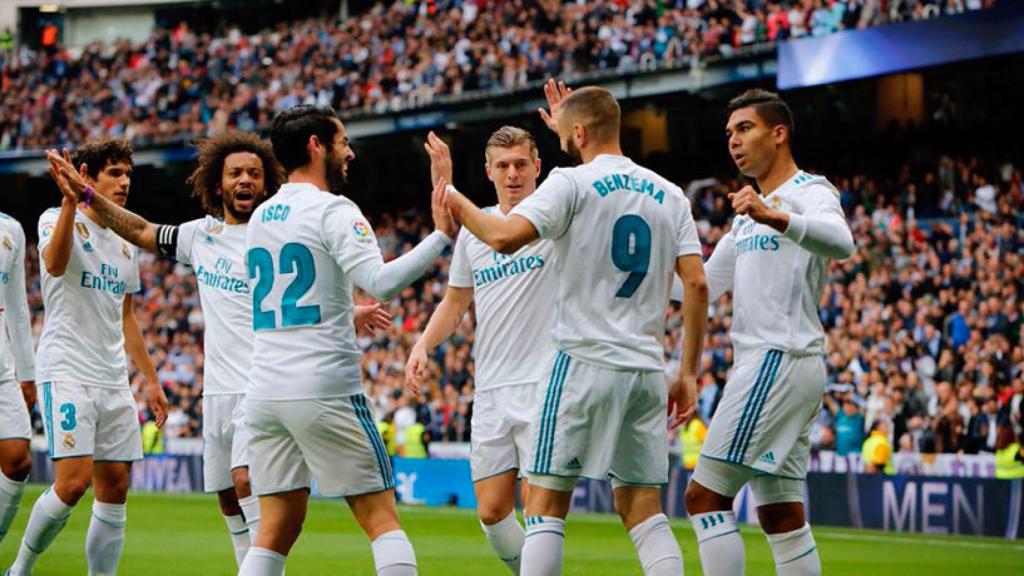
618 228
305 344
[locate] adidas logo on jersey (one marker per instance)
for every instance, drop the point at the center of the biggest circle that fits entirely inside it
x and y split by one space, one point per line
574 464
768 458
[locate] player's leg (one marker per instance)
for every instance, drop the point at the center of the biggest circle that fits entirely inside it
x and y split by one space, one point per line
284 487
639 468
217 473
720 472
118 444
69 420
780 497
547 505
495 506
15 453
348 458
240 439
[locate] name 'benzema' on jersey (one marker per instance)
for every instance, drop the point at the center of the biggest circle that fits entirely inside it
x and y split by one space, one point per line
86 300
216 251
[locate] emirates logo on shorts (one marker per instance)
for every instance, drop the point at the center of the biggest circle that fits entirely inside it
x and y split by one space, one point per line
69 440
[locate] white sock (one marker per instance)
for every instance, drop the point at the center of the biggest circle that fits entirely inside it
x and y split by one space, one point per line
251 511
105 540
262 562
795 553
506 537
393 554
239 536
10 498
657 547
543 547
720 543
49 515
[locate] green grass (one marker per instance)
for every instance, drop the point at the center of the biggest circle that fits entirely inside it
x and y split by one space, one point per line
185 535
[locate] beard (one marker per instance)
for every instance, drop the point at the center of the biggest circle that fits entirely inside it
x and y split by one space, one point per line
336 177
574 153
239 214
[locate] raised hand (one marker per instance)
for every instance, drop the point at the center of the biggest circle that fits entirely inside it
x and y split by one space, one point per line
443 219
370 318
440 159
748 202
61 164
555 93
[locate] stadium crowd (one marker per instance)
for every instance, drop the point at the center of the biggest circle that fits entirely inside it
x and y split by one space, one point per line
925 322
180 84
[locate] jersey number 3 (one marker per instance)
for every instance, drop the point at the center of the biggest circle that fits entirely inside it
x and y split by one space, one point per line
631 251
295 258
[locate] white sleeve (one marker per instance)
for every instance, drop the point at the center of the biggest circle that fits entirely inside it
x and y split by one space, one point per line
133 283
687 240
185 239
720 269
351 242
551 207
821 227
460 272
20 324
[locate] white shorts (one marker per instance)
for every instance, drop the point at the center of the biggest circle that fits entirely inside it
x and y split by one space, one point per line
599 423
225 438
333 441
91 421
501 430
14 418
764 418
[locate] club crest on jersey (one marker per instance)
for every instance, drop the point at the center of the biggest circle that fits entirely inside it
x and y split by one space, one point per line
8 243
126 252
69 441
82 230
362 229
47 230
776 202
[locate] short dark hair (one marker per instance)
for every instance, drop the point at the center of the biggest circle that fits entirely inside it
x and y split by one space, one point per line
291 131
768 106
597 109
98 154
206 179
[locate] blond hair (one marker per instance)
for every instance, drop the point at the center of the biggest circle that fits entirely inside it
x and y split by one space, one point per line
509 137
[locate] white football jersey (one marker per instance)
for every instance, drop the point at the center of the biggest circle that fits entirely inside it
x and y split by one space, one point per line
216 251
302 243
618 229
515 308
776 284
83 339
16 359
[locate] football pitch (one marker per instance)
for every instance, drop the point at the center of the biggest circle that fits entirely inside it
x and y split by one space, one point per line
185 535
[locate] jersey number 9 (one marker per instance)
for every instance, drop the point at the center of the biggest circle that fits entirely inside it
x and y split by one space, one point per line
631 251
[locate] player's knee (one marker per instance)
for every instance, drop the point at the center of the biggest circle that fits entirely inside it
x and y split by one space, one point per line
240 478
491 514
699 500
19 467
71 490
780 518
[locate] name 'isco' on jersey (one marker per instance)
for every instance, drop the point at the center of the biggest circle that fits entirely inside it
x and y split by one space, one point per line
216 252
515 308
618 229
302 244
83 339
17 360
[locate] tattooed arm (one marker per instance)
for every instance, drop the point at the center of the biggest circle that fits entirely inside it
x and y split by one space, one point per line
126 224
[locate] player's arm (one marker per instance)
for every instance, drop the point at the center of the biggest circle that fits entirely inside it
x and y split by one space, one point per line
135 346
442 325
57 251
504 233
822 228
385 281
124 223
720 269
683 391
20 324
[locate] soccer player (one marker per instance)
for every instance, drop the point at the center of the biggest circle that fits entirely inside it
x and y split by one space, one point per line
15 427
620 232
306 411
515 313
92 423
774 260
235 173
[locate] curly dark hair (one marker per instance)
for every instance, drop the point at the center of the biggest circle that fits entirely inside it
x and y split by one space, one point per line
98 154
205 180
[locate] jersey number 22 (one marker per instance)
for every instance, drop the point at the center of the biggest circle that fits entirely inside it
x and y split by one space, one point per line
295 258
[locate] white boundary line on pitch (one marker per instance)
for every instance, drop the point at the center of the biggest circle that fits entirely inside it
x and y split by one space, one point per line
903 539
